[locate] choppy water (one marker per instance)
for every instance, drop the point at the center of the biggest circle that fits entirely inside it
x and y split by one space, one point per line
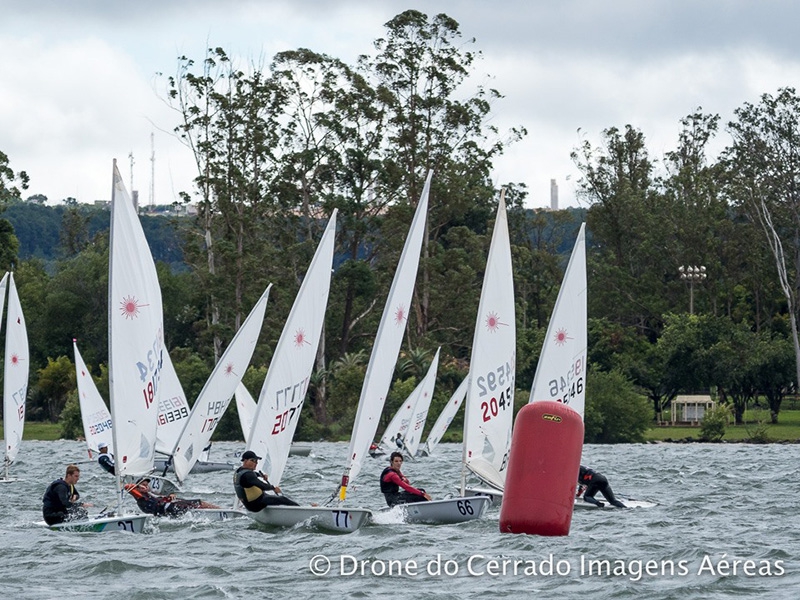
717 504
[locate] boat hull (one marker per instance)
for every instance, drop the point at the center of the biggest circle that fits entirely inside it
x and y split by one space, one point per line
581 504
129 523
300 449
218 514
199 467
495 495
337 520
449 511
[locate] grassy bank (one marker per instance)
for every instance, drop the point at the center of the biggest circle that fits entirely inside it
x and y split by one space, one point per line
756 424
787 430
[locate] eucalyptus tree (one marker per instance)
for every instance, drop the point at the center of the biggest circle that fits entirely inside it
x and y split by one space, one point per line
623 217
228 121
9 244
434 123
763 165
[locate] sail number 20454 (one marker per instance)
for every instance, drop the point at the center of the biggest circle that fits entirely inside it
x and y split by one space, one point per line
497 380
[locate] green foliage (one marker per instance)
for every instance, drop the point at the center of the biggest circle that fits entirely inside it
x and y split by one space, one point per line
53 386
615 411
712 429
70 424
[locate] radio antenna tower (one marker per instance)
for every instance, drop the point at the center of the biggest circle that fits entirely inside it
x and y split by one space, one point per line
152 171
130 156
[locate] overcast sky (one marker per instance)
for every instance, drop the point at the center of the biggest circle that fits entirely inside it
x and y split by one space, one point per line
78 83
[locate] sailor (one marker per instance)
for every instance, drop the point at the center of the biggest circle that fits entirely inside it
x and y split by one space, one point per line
153 504
105 459
61 499
392 479
252 487
591 482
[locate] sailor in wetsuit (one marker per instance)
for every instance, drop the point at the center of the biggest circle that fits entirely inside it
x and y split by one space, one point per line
251 487
60 501
593 482
105 460
392 480
153 504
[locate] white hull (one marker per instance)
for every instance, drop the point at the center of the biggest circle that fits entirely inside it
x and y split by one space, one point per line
300 449
496 496
338 520
199 467
129 523
580 503
9 480
218 514
439 512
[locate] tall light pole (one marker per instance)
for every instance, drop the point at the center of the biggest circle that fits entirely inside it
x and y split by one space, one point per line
693 274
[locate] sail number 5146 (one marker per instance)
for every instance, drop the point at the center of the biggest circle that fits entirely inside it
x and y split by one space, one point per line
565 387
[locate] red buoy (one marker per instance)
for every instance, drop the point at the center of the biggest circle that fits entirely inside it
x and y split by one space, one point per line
542 470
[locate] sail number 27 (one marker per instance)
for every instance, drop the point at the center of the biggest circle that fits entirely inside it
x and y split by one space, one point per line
500 379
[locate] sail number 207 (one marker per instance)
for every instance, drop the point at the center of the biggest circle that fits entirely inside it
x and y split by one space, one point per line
502 380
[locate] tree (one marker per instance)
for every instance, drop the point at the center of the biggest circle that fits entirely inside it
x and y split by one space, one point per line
763 166
624 220
9 181
615 412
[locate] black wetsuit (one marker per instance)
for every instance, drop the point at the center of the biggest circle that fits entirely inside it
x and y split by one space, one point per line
596 482
107 462
392 492
250 490
161 505
57 503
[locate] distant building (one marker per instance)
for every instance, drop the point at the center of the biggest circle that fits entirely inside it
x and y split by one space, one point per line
553 195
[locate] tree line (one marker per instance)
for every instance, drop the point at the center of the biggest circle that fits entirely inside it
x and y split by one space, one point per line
278 147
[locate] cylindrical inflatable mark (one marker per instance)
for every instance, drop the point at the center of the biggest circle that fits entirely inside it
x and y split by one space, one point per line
542 470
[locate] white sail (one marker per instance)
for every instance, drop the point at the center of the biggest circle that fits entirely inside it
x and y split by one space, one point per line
135 337
15 381
400 421
173 408
422 404
386 346
446 417
284 389
246 408
214 398
561 370
95 416
490 396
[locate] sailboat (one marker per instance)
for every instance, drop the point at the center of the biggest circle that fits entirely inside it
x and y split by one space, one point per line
445 418
379 376
136 346
412 422
283 393
246 409
96 418
489 407
561 370
214 398
15 378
